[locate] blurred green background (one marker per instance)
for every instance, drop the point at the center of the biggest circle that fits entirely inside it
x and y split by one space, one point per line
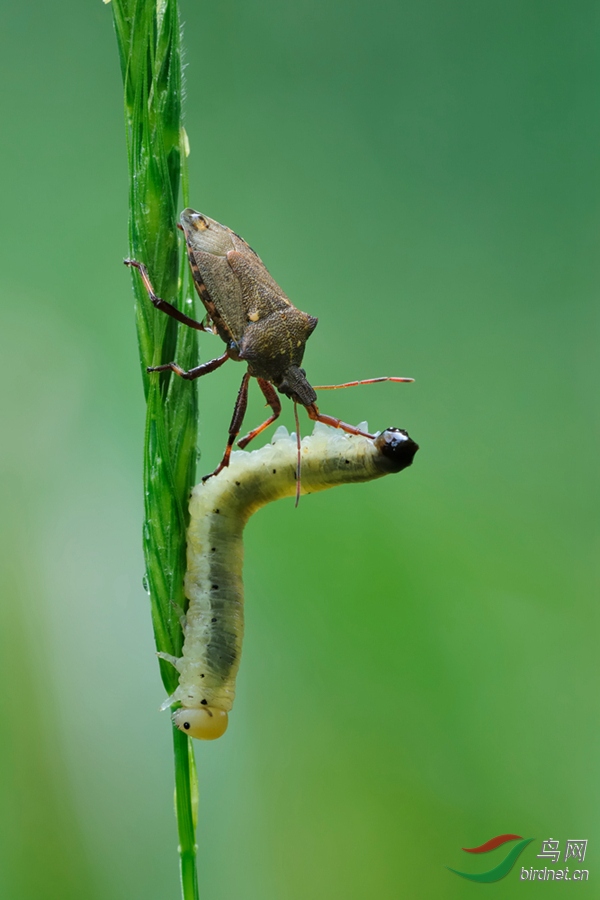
420 665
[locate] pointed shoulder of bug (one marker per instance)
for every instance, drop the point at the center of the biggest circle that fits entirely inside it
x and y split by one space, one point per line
276 331
266 306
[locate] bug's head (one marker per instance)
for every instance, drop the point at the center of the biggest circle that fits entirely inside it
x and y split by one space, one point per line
295 385
206 723
202 233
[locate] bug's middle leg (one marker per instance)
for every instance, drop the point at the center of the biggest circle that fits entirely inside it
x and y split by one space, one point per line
236 423
197 372
275 404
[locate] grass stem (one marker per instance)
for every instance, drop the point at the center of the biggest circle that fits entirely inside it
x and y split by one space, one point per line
148 36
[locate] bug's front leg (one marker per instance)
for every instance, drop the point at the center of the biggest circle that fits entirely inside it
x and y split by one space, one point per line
273 401
316 416
163 305
236 423
197 372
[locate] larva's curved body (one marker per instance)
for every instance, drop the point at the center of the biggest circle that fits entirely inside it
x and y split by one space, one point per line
219 510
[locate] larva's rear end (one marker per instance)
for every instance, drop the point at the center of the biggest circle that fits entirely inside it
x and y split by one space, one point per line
206 724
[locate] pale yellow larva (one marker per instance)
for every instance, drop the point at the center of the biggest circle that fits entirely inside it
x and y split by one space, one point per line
219 509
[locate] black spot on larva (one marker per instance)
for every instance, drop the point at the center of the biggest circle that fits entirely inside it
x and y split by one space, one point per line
186 725
202 675
203 702
215 587
217 511
212 549
274 471
213 620
238 483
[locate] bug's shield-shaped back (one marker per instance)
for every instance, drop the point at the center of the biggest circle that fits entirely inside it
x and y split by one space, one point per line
208 243
251 312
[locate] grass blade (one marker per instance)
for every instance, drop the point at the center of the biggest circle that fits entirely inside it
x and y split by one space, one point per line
148 36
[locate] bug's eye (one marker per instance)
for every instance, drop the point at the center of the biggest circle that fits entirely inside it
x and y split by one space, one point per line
207 723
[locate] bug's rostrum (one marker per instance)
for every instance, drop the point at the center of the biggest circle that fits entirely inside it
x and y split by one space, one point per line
296 386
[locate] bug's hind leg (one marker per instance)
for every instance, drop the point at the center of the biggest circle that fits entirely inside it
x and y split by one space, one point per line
204 369
163 305
273 401
316 416
236 423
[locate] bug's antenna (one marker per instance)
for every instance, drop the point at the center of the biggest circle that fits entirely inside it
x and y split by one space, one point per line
334 387
299 458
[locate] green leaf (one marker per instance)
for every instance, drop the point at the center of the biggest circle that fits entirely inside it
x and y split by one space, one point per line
148 37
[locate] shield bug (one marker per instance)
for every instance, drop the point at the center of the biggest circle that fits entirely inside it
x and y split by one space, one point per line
257 322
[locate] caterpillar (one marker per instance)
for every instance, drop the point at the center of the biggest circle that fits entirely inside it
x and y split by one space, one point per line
219 510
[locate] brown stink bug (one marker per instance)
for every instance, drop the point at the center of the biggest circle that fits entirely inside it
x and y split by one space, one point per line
258 323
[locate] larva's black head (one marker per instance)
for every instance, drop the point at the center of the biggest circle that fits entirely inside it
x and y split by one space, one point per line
397 448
